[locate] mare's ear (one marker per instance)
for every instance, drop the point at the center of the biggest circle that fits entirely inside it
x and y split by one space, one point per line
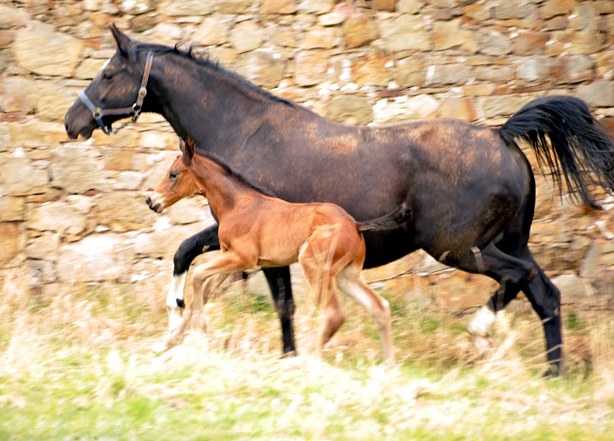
122 40
186 157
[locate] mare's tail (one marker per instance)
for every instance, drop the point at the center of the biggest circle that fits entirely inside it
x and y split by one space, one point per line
387 222
567 139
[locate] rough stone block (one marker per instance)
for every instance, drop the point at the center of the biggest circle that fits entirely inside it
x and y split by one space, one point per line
12 209
556 7
599 94
531 43
59 217
359 31
21 178
535 69
37 50
261 68
405 33
323 38
371 70
211 32
457 108
96 258
491 42
573 69
278 7
246 36
185 7
491 73
76 172
456 73
10 241
350 109
310 67
122 213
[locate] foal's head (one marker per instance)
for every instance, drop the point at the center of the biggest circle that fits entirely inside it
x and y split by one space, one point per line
176 185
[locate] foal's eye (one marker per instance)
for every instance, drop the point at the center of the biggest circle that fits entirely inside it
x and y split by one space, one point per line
172 175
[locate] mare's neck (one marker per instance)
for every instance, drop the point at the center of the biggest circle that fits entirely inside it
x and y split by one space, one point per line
221 188
208 105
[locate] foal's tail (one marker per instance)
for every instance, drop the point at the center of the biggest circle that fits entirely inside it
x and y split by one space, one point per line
387 222
567 139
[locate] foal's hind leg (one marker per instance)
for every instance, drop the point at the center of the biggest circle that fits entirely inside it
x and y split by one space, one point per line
350 281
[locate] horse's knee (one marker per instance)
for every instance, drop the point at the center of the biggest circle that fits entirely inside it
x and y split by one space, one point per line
383 314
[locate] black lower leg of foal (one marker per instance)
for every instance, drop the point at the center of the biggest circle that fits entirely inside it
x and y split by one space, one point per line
281 290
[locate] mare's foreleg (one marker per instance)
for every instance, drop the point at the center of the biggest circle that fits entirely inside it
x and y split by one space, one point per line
189 249
281 290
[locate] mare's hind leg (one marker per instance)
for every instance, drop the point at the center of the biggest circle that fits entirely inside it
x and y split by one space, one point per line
351 283
281 290
516 273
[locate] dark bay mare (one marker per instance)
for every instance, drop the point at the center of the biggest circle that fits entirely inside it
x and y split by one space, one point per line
470 189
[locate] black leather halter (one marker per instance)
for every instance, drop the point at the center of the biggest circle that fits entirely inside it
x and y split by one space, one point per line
135 110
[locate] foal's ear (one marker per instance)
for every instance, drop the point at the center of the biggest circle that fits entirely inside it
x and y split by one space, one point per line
122 40
186 151
189 148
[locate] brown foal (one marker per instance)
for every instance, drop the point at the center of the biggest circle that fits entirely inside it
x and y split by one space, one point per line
260 230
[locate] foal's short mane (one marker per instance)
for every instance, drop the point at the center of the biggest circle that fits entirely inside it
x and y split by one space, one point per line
229 171
205 61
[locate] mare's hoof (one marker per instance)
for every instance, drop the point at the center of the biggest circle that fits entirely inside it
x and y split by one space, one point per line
554 371
484 345
289 354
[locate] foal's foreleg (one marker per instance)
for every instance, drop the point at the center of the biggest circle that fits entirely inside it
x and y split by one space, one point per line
199 301
189 249
322 286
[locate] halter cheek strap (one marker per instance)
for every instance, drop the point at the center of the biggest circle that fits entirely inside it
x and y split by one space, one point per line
135 110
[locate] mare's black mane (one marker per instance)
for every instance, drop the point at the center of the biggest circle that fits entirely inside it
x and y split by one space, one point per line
205 61
233 174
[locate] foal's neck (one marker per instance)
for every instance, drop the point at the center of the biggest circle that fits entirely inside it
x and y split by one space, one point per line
221 187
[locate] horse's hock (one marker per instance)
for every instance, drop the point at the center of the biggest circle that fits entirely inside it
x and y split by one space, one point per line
74 213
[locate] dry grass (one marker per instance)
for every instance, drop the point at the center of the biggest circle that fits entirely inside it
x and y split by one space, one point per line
80 366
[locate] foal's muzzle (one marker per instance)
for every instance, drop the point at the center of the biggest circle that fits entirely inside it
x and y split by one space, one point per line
154 204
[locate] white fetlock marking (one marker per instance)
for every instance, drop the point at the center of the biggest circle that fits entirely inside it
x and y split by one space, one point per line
175 291
482 322
479 329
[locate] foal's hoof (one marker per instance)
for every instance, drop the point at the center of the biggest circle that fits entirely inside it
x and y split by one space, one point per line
160 347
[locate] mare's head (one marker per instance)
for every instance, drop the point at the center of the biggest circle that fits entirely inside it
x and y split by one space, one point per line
176 185
113 93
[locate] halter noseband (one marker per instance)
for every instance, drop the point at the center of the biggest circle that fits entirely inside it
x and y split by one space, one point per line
135 110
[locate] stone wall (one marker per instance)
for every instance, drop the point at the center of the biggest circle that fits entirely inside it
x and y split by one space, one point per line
74 212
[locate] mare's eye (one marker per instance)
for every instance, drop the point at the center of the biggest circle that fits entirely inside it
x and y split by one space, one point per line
107 76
